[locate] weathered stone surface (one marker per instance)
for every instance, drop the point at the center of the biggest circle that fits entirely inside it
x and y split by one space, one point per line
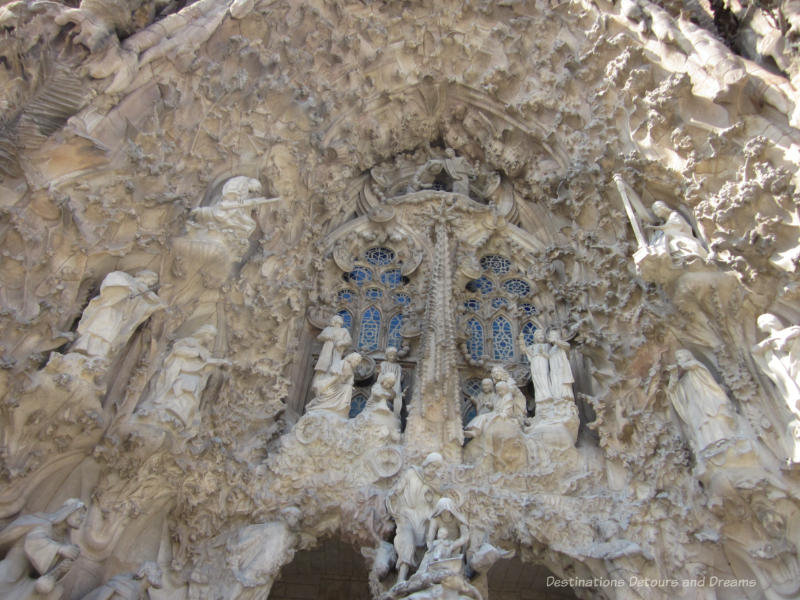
441 281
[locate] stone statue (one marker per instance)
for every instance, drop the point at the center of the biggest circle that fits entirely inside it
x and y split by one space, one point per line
391 366
411 503
560 376
231 214
183 378
497 435
457 167
700 402
778 355
675 234
446 516
442 571
377 408
483 401
538 354
334 390
110 319
38 553
335 340
259 551
129 586
501 374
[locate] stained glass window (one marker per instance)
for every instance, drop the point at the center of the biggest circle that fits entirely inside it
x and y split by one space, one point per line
402 299
394 338
379 256
392 278
347 318
472 386
344 295
499 302
502 340
370 329
527 332
360 276
483 285
517 287
357 404
528 309
499 265
475 339
472 305
373 293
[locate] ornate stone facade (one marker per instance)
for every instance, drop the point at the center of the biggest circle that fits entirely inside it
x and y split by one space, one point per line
459 288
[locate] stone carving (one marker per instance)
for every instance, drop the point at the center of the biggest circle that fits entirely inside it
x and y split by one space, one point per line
456 167
700 402
378 411
538 354
411 504
390 366
778 355
335 340
118 133
259 551
38 552
176 398
110 319
129 586
333 391
674 235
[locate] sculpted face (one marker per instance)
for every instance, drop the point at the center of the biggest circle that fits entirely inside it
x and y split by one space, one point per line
660 209
75 520
337 321
391 354
554 335
683 357
486 386
498 374
538 336
769 323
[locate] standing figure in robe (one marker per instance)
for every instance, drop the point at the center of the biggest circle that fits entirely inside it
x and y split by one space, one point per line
561 378
538 354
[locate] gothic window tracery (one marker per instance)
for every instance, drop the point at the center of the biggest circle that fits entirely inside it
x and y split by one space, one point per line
373 310
498 308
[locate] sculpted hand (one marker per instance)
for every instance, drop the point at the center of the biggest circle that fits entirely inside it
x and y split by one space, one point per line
70 551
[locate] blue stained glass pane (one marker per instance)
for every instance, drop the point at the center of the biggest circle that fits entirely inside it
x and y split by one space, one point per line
403 299
370 328
344 295
498 302
379 256
470 414
360 275
527 332
528 309
473 386
392 278
472 305
482 285
499 265
394 338
475 340
502 340
517 287
357 404
347 318
374 293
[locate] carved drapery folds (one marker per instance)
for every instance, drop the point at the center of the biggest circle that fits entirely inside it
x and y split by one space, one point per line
531 283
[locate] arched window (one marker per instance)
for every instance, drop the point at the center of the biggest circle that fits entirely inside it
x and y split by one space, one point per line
499 298
527 332
376 288
475 339
370 329
502 339
347 318
394 337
